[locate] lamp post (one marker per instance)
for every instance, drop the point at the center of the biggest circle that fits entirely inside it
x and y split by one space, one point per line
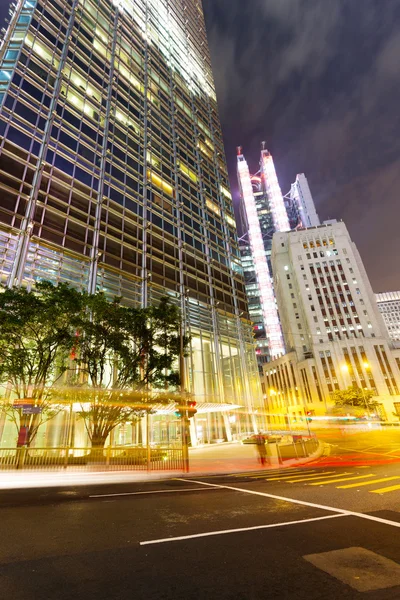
366 366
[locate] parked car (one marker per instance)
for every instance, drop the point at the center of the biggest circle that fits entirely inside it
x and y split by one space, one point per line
269 437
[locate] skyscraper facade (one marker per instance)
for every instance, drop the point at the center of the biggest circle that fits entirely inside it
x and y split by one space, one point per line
262 212
113 176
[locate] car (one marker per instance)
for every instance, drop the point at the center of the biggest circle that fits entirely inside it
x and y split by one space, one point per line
269 438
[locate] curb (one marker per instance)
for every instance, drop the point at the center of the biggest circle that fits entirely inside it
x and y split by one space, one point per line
117 477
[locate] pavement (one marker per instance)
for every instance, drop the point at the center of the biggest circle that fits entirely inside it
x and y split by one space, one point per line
217 458
325 530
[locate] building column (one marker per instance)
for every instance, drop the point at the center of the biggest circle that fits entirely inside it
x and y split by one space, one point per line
193 432
228 427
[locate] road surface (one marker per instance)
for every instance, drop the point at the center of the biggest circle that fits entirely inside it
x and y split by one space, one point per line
326 530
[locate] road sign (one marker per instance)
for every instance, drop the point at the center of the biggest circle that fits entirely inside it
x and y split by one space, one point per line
31 410
23 402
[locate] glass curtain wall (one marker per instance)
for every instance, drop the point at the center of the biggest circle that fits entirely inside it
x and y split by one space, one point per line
113 176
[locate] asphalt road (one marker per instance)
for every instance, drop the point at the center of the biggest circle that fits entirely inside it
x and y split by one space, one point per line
323 531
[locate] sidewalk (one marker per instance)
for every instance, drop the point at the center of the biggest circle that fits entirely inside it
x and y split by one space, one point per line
211 460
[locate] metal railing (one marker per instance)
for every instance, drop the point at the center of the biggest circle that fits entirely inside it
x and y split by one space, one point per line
299 448
111 458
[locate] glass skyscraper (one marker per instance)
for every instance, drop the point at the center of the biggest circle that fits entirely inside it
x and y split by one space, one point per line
113 177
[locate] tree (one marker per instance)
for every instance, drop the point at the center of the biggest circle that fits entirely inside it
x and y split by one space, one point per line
125 362
355 398
36 336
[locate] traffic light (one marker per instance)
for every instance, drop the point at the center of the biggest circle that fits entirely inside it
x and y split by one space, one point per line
309 415
192 410
178 412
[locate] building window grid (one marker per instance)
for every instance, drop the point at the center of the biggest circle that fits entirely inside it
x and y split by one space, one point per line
316 381
383 370
306 385
389 369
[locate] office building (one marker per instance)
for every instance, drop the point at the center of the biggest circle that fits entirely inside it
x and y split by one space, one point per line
389 306
113 177
262 212
301 203
334 334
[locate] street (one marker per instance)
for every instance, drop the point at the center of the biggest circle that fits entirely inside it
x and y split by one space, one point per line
328 529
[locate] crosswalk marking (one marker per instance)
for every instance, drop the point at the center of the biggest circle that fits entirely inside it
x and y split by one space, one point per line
275 476
343 479
352 485
303 477
322 476
385 489
263 473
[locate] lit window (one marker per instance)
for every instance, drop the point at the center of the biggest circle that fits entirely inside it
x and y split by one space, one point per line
184 169
212 206
160 183
230 221
226 192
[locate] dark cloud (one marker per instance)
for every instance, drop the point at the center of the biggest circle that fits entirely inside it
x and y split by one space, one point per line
320 81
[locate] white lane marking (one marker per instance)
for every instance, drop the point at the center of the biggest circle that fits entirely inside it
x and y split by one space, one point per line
302 502
150 492
239 530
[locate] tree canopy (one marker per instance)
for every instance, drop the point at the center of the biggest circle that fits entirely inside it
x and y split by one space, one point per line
36 335
354 398
59 345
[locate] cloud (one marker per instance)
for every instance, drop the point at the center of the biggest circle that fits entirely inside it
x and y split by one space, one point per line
319 79
309 27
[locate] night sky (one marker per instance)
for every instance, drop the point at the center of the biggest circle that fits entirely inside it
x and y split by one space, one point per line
319 80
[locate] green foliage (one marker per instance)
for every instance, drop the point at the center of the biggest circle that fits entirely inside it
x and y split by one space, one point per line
35 338
125 357
355 397
59 345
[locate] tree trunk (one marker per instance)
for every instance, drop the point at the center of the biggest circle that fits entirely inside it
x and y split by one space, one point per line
97 454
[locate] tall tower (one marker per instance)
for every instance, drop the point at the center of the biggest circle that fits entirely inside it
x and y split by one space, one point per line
113 176
261 214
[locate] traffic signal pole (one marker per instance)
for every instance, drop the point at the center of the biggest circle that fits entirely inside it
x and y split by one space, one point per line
183 404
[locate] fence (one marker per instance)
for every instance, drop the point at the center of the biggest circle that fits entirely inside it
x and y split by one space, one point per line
300 448
111 458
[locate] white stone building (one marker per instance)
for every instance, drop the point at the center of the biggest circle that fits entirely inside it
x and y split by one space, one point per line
389 306
334 334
